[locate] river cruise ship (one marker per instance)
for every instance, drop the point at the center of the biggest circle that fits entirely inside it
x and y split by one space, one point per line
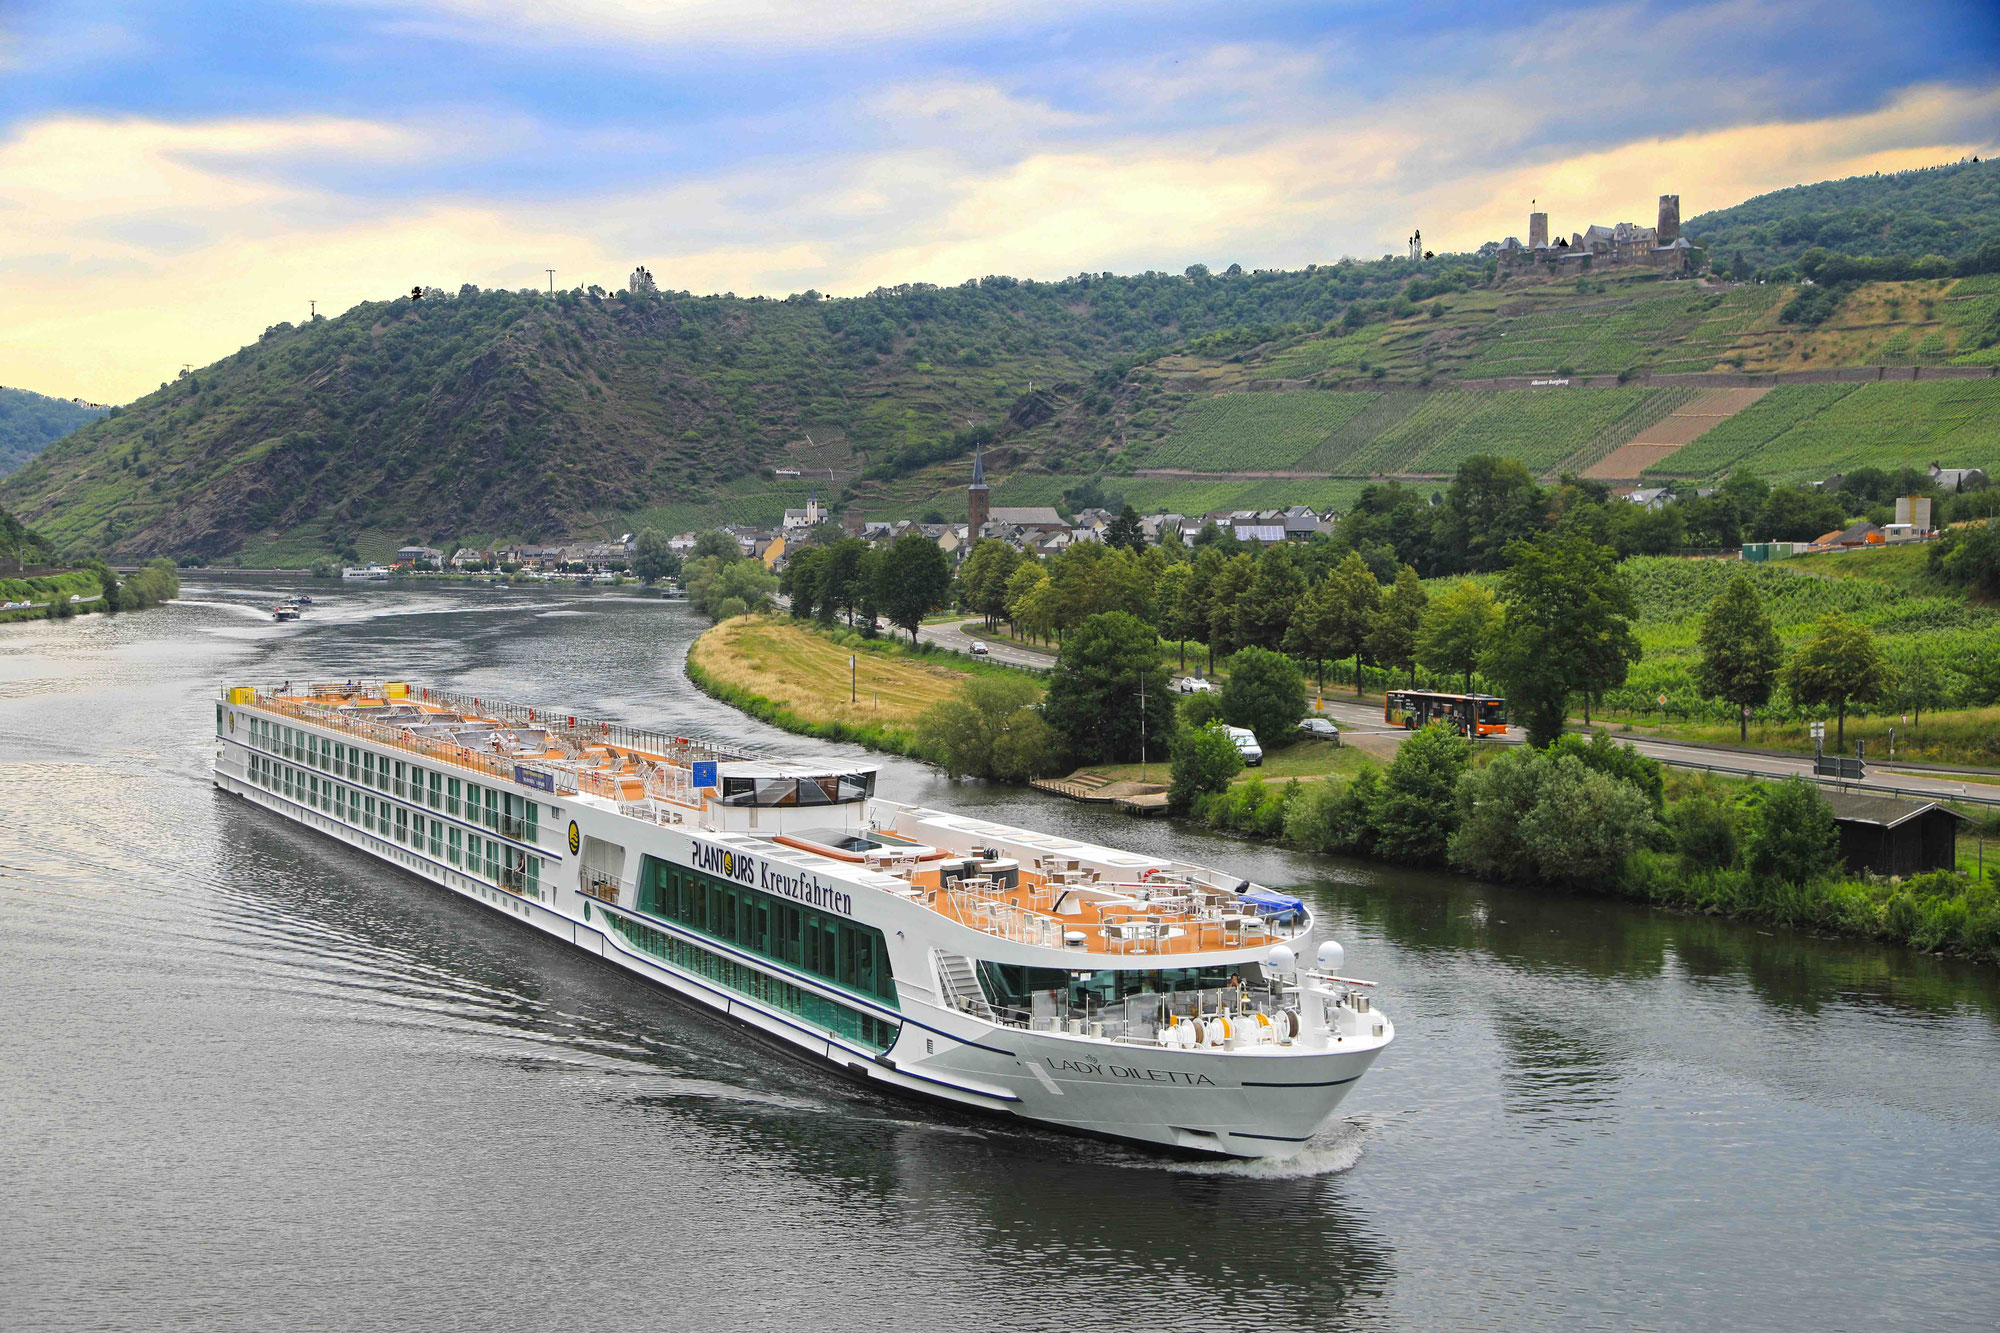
946 955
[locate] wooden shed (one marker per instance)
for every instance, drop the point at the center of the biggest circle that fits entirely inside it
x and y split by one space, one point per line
1891 837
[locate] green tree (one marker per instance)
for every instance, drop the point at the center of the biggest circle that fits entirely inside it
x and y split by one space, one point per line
912 580
1704 831
1792 836
1205 759
1920 685
802 581
1226 590
1392 630
1352 596
729 589
107 583
1108 665
1418 807
1265 693
716 544
982 579
1090 578
1797 514
1027 600
1172 591
990 729
1530 815
1839 665
1970 557
1271 601
843 580
1313 635
652 558
1125 531
1496 503
1740 652
1565 629
1457 628
1623 762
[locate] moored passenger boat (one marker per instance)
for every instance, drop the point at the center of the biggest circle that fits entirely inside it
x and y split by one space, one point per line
1001 968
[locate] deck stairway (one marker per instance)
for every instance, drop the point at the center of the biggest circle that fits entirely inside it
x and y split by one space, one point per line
961 985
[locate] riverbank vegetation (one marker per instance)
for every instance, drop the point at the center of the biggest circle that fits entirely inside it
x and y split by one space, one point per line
1599 817
82 591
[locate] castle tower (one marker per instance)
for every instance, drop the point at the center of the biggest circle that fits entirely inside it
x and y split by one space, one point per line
1538 231
975 500
1670 219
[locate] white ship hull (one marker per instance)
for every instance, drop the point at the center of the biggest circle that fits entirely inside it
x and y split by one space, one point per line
910 1030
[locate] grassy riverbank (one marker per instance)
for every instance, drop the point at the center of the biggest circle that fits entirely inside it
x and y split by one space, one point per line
799 679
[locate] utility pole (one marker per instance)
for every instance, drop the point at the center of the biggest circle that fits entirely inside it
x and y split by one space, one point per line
552 281
312 310
1142 726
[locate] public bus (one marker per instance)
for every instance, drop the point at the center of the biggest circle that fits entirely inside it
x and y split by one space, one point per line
1468 714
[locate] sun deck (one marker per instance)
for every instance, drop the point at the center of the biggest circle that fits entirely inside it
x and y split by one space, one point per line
549 748
1020 885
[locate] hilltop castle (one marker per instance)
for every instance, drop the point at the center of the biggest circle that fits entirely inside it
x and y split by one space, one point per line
1660 247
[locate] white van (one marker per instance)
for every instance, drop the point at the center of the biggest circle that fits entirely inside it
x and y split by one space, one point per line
1246 745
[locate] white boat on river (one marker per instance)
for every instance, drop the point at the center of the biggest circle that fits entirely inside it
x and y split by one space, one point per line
1004 969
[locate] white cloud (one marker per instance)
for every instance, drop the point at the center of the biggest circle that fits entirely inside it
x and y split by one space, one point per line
737 24
131 246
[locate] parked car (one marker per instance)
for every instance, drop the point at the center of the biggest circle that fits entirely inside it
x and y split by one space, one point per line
1320 727
1246 745
1194 685
978 648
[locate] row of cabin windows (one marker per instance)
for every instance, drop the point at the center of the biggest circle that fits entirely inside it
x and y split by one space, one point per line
505 813
830 947
503 865
816 1010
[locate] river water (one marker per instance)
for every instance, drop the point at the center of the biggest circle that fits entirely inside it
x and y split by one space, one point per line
252 1079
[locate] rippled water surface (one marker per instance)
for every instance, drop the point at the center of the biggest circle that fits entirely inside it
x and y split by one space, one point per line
251 1079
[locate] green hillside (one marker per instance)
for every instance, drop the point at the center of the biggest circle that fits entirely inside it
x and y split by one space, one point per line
517 414
1946 210
485 415
30 422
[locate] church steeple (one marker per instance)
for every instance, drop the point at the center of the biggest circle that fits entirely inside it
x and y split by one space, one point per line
975 500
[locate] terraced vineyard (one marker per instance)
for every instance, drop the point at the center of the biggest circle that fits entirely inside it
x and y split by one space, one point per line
1396 432
1252 431
1884 590
1806 432
1166 495
1631 320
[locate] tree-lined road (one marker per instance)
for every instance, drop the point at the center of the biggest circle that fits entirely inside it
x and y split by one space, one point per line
1365 717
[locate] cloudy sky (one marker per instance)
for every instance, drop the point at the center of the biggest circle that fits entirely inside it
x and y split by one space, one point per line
176 177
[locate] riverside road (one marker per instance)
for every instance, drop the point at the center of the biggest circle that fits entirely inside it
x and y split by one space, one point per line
1355 719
